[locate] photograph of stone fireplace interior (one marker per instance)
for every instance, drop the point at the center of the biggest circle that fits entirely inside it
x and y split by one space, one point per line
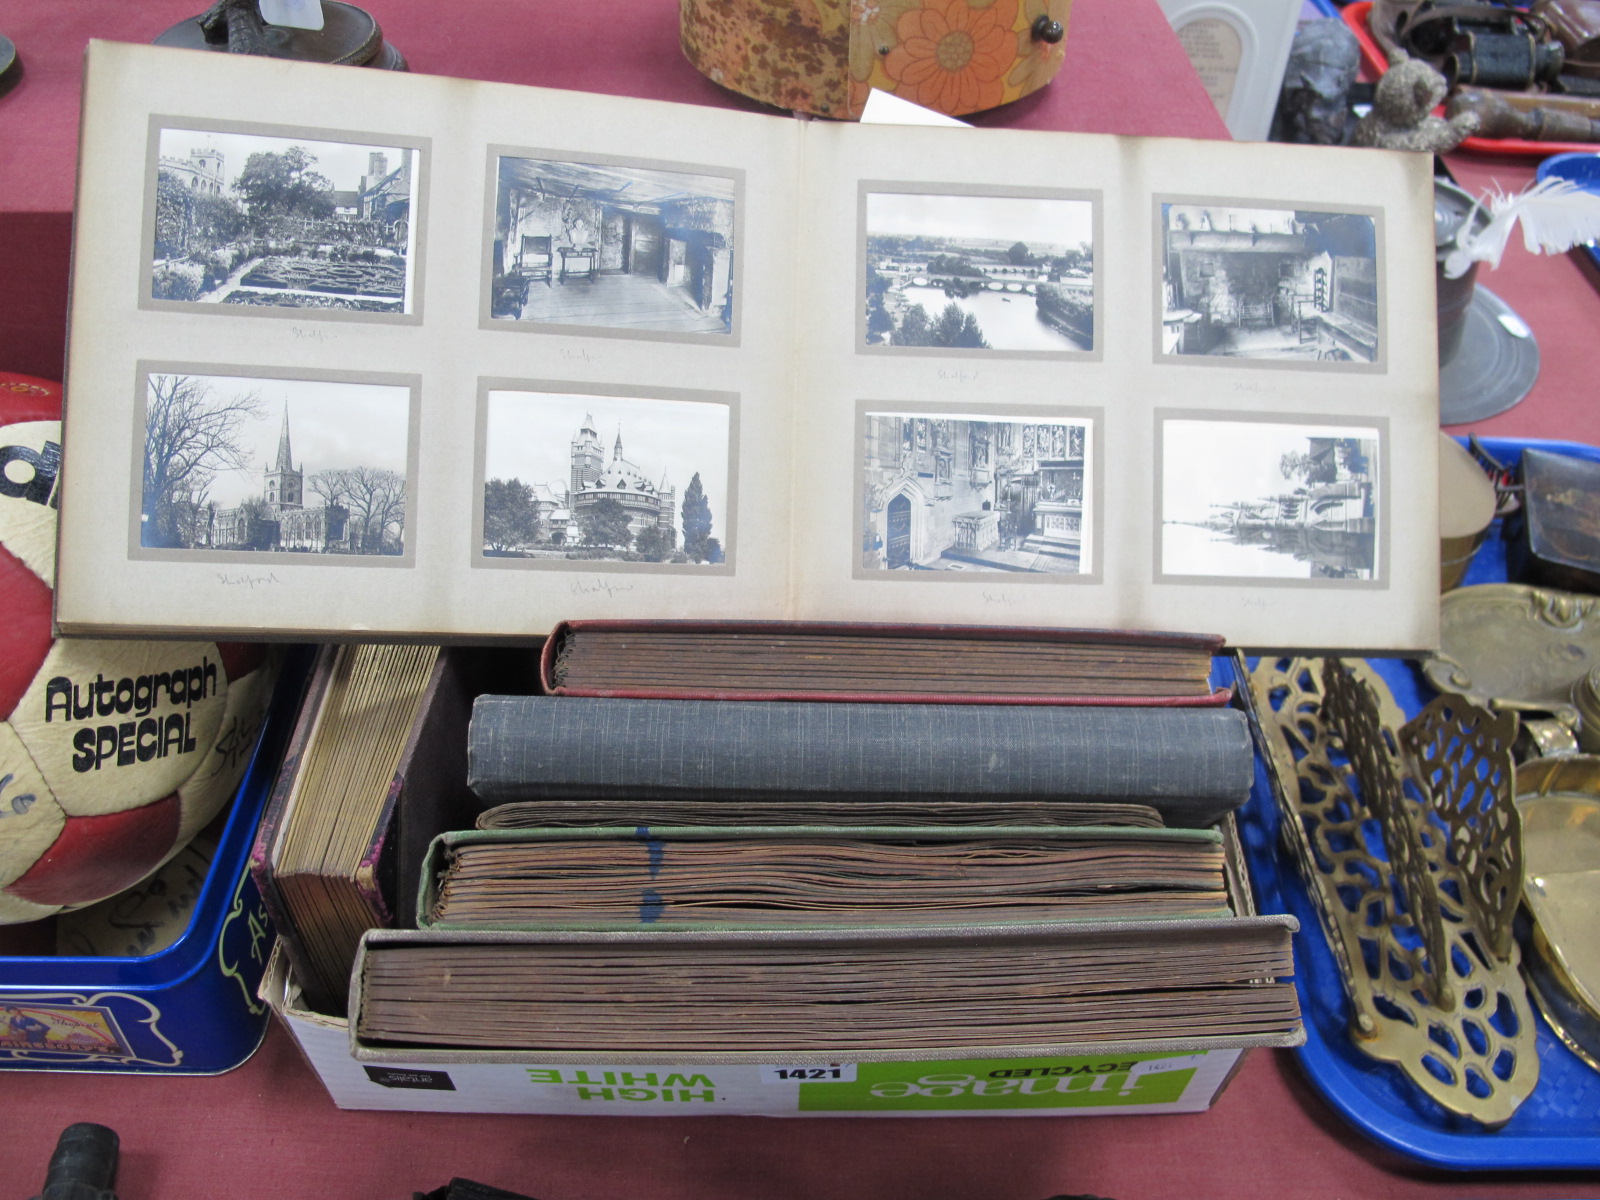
620 247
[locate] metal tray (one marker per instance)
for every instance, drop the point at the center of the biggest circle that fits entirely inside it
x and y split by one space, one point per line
1376 62
1558 1127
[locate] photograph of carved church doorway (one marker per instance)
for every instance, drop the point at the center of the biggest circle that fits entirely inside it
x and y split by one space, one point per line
646 251
976 493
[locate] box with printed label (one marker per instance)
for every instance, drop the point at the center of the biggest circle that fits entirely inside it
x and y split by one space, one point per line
1154 1076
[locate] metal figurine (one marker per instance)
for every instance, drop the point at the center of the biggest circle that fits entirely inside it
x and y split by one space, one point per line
236 24
1314 104
1401 112
349 35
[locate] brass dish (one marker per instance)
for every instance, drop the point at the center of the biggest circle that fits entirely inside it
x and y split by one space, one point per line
1559 800
1507 646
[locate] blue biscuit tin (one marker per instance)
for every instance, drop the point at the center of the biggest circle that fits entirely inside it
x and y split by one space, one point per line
189 1009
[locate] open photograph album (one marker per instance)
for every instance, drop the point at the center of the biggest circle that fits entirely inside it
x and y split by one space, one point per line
361 354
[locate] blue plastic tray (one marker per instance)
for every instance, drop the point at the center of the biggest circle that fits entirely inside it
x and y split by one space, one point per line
1558 1127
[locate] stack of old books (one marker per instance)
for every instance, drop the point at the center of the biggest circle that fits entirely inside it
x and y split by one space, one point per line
842 840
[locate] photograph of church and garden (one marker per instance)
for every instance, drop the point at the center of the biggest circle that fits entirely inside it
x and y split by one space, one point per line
626 248
248 219
977 493
298 466
953 272
1263 499
594 478
1269 283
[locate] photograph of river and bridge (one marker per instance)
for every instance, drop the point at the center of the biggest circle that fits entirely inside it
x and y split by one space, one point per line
1009 273
283 222
1269 500
1271 283
944 492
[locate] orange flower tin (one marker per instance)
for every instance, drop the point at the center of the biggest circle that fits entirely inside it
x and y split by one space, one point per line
824 56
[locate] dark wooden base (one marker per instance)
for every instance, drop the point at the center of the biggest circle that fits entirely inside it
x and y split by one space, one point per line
349 37
10 65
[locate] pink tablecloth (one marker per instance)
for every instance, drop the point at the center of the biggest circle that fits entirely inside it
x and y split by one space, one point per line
268 1130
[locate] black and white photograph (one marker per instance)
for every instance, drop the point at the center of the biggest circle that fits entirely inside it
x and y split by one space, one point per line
627 248
283 222
1264 500
297 466
975 273
1270 283
977 493
597 478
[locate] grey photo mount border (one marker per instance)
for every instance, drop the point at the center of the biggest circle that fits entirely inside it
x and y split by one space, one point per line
1379 366
1383 576
421 147
1093 196
138 551
623 391
497 151
1018 414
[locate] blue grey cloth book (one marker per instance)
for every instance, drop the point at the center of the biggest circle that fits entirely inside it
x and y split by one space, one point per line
1193 765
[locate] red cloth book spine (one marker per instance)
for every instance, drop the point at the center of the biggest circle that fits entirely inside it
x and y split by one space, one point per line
1207 643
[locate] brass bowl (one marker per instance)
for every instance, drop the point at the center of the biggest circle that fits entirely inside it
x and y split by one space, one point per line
1559 801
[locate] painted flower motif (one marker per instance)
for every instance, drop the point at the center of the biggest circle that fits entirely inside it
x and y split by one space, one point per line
1038 61
872 31
953 57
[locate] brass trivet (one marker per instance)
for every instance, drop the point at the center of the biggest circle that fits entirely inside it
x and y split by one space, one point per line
1407 838
1519 648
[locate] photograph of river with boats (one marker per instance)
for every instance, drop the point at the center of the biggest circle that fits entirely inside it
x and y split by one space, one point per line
1269 499
1008 273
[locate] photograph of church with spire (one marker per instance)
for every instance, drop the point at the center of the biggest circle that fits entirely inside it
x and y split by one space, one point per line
1270 499
295 466
605 478
252 220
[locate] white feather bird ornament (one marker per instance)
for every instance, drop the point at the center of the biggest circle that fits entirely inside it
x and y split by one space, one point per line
1555 214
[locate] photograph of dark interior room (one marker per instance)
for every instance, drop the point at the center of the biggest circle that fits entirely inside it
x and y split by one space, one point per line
967 493
618 247
1269 283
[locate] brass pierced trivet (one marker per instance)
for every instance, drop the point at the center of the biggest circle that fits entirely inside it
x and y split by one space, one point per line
1407 837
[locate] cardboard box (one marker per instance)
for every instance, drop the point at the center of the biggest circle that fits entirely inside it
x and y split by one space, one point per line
1158 1076
1153 1076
